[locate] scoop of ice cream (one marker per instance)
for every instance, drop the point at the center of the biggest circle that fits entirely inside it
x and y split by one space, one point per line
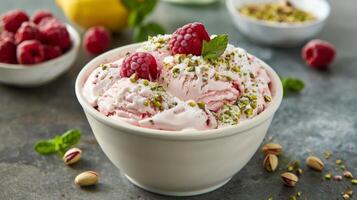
147 104
100 80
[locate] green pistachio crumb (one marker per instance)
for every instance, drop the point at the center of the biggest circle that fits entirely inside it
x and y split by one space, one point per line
267 98
145 82
201 104
157 104
191 103
146 103
134 78
249 112
328 176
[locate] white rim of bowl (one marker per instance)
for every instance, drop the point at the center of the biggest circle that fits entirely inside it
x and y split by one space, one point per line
233 10
75 46
176 135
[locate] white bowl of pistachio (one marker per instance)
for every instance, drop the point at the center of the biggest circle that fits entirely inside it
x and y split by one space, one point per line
179 163
279 23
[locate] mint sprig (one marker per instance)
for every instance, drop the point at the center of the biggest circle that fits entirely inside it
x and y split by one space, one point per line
59 144
215 48
139 10
292 85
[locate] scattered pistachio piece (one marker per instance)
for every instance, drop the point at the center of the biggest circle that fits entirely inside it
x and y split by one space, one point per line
292 198
298 194
328 176
343 167
201 104
267 98
315 163
347 174
338 162
290 168
133 78
270 162
299 171
72 156
272 148
354 181
86 178
289 179
145 82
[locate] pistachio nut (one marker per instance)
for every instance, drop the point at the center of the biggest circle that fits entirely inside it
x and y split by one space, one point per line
272 148
315 163
86 178
72 156
289 179
347 174
270 162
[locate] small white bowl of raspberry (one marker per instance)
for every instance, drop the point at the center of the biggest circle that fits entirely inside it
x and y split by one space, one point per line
36 50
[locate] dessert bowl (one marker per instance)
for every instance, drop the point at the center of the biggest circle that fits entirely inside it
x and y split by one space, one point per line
179 163
280 34
41 73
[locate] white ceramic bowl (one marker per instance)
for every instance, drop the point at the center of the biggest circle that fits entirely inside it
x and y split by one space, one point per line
41 73
280 34
176 162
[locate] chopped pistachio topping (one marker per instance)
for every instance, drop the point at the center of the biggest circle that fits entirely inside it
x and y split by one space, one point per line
328 176
190 69
146 103
277 12
267 98
249 112
145 82
134 78
157 104
229 115
201 104
191 103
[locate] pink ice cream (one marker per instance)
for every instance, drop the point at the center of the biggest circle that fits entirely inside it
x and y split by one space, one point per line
191 92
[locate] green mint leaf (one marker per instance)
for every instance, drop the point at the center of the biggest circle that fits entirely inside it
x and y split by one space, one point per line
45 147
291 84
141 33
215 48
147 6
70 138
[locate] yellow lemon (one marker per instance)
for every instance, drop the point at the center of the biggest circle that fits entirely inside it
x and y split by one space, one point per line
111 14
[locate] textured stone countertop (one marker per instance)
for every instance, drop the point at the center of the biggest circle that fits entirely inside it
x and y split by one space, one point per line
323 117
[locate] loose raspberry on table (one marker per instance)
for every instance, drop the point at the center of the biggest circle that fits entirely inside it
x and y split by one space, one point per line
27 31
40 15
54 33
13 19
96 40
30 52
52 52
7 51
189 39
143 64
318 53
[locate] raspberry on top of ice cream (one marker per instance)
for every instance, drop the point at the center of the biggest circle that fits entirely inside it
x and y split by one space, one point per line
169 83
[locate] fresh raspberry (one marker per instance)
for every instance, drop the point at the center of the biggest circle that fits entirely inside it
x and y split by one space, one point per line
27 31
52 52
7 35
13 19
96 40
30 52
318 53
40 15
54 32
141 63
7 51
188 39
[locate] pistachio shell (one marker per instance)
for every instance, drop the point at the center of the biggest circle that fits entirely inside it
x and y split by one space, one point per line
272 148
72 156
289 179
315 163
270 162
86 178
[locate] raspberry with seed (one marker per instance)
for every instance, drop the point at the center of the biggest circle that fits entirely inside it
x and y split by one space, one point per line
52 52
30 52
141 63
27 31
40 15
54 33
13 19
189 39
7 51
318 53
96 40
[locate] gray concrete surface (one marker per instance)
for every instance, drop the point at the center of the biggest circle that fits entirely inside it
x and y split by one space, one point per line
322 117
